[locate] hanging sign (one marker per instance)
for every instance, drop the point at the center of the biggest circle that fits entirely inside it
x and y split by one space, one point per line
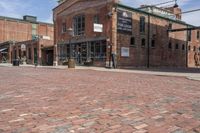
98 28
23 47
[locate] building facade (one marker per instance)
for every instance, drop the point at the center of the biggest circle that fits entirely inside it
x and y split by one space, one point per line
107 32
37 51
17 31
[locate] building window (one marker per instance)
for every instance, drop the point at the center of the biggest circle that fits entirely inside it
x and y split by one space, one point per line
153 43
29 53
183 47
98 51
170 26
20 55
132 41
34 29
177 46
64 28
142 24
143 43
189 35
96 19
198 34
189 48
170 45
79 25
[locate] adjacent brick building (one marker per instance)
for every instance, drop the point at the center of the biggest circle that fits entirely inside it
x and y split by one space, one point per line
39 51
19 31
107 31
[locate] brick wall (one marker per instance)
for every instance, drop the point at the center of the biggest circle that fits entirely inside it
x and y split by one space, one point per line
20 30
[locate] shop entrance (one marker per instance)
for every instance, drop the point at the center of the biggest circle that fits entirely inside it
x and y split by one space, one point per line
86 53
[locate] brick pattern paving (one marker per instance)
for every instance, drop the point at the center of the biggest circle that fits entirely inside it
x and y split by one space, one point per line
82 101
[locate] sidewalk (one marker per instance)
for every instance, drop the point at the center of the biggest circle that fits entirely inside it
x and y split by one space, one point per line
193 74
152 71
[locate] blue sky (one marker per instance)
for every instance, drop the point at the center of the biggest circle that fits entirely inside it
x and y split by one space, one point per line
43 8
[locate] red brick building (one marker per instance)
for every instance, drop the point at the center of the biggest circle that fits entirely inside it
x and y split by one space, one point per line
38 51
15 31
107 31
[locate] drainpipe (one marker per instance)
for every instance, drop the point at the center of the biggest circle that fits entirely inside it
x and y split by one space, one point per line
186 48
148 46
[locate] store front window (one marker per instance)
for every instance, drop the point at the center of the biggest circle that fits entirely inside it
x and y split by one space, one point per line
84 52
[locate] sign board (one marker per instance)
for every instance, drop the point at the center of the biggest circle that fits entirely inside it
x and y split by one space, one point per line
159 11
23 47
98 28
125 52
46 37
124 22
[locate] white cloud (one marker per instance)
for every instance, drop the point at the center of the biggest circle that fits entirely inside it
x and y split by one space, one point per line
137 3
49 19
12 8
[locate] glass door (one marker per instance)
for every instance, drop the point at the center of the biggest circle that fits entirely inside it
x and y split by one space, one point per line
35 56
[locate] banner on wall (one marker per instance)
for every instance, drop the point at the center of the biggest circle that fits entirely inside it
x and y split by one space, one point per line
124 22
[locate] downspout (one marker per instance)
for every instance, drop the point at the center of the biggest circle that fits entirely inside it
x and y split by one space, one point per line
148 46
186 48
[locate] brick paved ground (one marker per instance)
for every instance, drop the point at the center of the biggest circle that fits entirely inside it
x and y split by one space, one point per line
82 101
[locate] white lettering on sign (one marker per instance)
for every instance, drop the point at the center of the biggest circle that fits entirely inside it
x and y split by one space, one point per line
125 52
98 28
46 37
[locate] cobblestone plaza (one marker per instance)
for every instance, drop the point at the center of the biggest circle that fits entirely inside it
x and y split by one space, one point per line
41 100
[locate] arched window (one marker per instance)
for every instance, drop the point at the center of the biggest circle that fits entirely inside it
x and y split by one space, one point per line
153 43
143 43
177 46
183 47
170 45
132 41
142 24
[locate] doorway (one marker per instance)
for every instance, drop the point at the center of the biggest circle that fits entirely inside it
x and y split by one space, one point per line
35 56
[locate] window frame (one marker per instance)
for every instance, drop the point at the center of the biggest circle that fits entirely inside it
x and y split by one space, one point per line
198 35
183 47
176 46
132 41
170 45
64 27
189 35
79 25
142 24
143 42
96 19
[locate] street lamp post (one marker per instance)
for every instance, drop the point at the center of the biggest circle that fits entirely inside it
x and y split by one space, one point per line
110 52
71 62
70 33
